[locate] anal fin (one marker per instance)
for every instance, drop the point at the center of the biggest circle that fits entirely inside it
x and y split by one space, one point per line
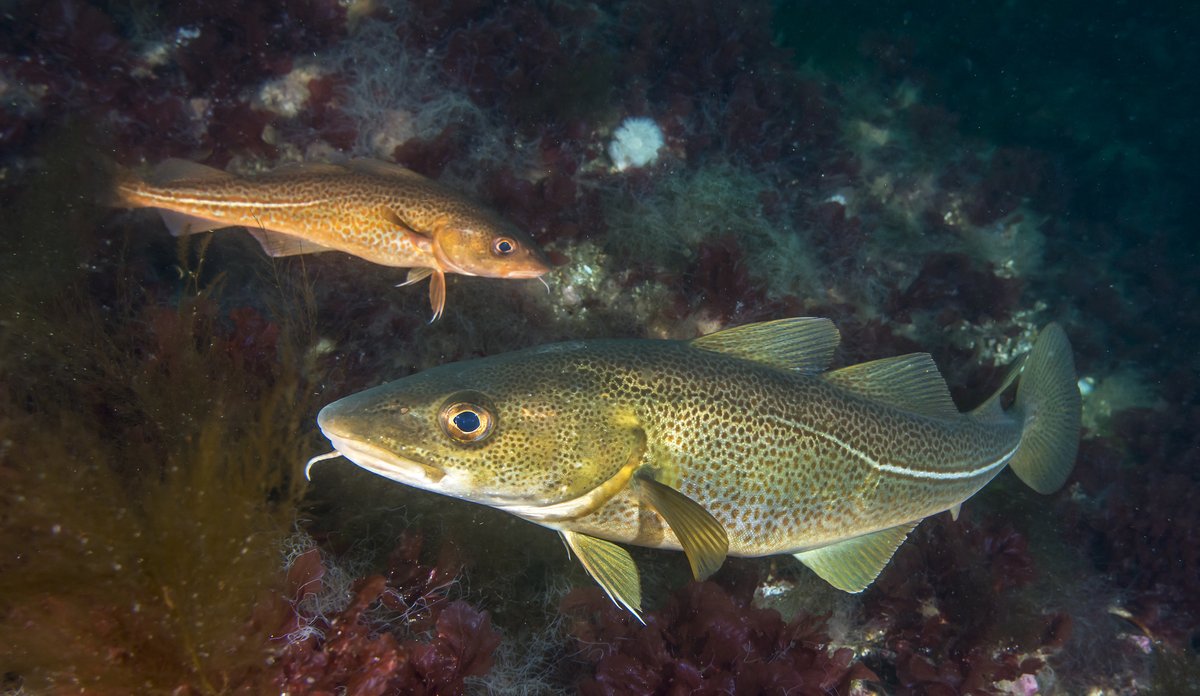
180 224
611 567
852 565
279 244
702 537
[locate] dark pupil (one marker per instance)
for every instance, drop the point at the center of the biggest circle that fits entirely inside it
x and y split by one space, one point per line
467 421
504 246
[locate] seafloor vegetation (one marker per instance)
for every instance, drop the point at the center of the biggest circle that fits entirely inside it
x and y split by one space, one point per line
936 181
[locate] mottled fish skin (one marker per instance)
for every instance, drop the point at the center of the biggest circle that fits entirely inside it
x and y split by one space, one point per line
374 210
785 460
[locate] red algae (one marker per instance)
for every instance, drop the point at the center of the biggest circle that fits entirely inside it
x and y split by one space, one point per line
399 633
869 191
706 640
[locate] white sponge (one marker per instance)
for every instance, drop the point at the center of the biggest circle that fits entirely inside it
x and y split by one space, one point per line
635 143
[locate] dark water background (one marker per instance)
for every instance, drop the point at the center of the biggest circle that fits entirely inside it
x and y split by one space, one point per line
944 177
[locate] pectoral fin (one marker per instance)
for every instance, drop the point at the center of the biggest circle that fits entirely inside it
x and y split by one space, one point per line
702 537
854 564
611 566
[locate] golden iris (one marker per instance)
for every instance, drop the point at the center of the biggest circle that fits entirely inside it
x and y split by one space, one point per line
503 246
466 422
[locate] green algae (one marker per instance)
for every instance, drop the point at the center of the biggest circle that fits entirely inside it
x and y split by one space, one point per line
149 471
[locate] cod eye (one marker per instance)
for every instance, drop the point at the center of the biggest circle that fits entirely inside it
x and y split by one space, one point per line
466 422
503 246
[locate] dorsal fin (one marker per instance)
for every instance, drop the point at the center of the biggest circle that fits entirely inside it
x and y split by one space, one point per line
381 168
800 344
310 168
173 170
911 382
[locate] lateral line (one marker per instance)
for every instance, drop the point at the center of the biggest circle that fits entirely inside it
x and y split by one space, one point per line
188 200
903 470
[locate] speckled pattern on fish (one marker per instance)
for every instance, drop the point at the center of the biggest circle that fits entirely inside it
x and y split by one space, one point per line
374 210
736 443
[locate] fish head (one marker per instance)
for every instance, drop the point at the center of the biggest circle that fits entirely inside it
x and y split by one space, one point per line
480 246
522 431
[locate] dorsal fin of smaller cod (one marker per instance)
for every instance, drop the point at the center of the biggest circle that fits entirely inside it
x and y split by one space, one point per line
703 538
853 564
910 382
292 169
611 567
801 344
174 170
381 168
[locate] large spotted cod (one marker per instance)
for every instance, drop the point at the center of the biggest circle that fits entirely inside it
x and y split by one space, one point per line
375 210
736 443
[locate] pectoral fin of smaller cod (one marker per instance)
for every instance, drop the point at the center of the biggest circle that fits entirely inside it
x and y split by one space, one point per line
702 537
854 564
611 566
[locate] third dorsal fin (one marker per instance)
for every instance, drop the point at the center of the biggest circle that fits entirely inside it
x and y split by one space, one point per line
911 382
801 344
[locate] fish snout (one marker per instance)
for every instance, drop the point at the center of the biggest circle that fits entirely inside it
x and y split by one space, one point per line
332 422
352 434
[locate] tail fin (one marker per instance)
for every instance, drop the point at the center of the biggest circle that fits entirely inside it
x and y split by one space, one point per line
1048 404
124 182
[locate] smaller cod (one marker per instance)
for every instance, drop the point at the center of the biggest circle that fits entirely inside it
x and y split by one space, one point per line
374 210
736 443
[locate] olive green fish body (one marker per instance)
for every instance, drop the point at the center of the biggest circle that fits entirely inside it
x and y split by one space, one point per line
784 461
736 443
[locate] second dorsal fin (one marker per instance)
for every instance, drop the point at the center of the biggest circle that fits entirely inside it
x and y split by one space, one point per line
910 382
173 170
800 344
381 168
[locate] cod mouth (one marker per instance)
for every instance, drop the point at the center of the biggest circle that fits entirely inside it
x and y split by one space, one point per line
381 461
